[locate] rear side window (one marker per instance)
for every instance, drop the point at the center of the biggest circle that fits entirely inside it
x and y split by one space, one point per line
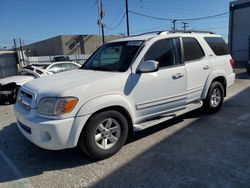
192 49
218 45
166 52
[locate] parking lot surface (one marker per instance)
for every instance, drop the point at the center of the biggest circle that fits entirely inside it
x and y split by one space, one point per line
193 150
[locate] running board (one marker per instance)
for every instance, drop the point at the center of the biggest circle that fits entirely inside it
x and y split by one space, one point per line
165 117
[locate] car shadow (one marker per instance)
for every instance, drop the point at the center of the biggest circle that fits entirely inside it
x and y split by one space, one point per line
211 151
159 127
32 159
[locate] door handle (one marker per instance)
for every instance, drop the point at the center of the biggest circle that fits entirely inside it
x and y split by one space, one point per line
177 75
206 67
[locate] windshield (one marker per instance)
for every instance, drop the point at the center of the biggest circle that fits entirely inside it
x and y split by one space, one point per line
116 56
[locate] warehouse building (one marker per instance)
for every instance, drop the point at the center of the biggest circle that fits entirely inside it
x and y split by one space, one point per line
239 31
66 45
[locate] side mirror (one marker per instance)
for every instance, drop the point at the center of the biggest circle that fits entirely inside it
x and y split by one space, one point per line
148 66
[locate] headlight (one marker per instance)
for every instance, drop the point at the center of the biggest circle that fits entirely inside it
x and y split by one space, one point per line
56 106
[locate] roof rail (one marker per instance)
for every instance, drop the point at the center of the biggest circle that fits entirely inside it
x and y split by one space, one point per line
172 31
150 32
191 31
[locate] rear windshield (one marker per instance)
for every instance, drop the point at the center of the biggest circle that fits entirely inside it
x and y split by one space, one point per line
218 45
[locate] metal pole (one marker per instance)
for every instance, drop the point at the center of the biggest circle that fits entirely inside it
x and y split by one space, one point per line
16 56
102 22
127 17
103 39
14 40
99 21
184 25
22 55
174 26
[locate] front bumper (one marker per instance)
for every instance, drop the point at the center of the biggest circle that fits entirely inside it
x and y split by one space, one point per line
50 134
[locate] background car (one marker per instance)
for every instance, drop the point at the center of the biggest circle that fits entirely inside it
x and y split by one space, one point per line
10 85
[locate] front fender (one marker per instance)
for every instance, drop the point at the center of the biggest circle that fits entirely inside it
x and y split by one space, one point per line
106 101
211 77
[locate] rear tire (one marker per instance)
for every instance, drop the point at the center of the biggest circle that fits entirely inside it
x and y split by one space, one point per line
104 134
215 98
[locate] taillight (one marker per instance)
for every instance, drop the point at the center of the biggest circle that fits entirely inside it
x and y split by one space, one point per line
232 62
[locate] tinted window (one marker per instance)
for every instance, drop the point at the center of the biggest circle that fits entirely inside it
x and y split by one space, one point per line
192 49
218 45
166 52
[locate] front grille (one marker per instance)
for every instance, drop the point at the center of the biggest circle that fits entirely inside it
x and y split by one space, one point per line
26 95
25 98
24 127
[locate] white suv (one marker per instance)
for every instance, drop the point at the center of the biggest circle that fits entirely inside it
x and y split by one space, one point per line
127 85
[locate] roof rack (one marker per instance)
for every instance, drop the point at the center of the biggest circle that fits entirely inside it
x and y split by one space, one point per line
191 31
172 31
150 32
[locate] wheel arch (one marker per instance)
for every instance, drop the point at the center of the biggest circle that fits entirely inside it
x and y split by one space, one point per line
121 110
219 76
104 103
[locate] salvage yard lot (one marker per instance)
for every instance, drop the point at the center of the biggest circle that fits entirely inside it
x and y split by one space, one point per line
195 149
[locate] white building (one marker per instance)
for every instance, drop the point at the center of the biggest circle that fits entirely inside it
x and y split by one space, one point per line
239 31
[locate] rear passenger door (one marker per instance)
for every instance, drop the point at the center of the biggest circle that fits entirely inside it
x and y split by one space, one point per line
198 67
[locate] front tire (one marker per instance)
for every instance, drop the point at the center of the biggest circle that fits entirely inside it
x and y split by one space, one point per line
215 98
104 134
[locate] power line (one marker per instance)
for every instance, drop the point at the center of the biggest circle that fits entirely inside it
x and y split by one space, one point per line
150 28
117 25
181 19
147 16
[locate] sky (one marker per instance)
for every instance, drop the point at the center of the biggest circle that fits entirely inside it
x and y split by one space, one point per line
35 20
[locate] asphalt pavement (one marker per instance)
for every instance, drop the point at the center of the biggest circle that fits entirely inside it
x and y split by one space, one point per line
193 150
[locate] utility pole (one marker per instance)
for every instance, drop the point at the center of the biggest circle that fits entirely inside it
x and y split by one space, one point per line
174 25
127 20
100 21
16 56
22 54
14 40
185 25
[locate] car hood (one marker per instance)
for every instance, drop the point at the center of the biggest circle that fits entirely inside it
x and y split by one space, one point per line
57 84
19 79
